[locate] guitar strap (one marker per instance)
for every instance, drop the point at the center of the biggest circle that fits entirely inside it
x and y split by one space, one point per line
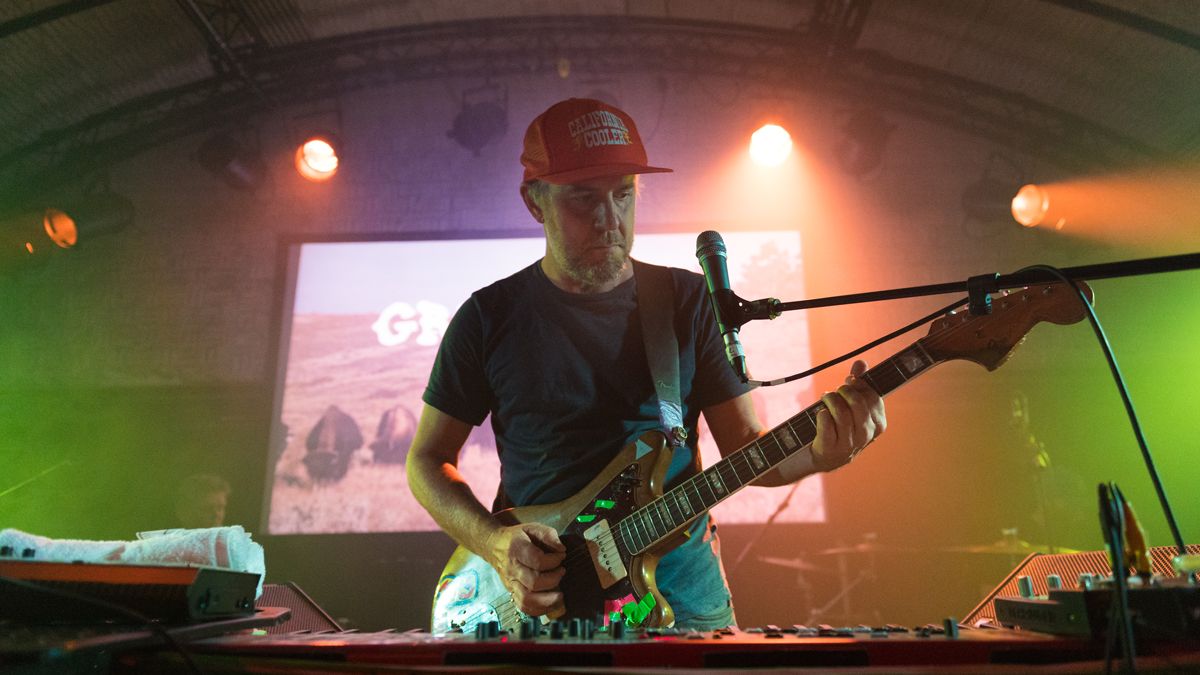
656 312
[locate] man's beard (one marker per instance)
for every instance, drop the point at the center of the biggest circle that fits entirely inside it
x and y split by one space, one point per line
589 274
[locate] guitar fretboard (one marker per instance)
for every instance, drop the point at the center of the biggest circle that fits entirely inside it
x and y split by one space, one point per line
650 524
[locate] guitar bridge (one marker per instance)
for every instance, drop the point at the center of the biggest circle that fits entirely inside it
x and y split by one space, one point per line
610 569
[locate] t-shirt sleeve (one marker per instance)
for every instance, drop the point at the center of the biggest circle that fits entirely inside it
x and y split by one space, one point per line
715 381
458 384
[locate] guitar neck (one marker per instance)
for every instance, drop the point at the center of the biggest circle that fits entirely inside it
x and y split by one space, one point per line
650 524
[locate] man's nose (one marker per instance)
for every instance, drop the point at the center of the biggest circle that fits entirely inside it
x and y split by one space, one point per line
608 216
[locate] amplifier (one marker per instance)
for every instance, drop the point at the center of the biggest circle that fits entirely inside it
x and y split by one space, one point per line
1068 567
167 593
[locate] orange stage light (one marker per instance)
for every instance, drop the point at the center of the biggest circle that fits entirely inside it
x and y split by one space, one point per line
317 159
770 145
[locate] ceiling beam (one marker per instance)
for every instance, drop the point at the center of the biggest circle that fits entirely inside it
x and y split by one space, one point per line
52 13
770 62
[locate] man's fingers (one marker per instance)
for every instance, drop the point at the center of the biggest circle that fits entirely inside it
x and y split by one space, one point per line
545 537
537 604
843 417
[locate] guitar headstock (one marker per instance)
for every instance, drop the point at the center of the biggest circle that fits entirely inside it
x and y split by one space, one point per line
988 340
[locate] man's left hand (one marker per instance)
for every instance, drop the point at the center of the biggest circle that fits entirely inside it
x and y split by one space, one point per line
853 417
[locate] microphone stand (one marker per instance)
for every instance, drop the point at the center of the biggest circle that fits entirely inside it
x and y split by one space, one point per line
979 289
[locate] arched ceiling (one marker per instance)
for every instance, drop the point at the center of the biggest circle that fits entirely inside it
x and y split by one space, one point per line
1084 84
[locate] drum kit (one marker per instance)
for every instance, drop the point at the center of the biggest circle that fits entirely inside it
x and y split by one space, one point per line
855 564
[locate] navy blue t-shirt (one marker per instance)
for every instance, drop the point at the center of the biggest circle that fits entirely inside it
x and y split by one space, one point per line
565 379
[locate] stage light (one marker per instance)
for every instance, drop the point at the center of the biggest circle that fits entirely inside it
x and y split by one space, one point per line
1030 205
232 161
770 145
483 118
60 227
317 158
34 233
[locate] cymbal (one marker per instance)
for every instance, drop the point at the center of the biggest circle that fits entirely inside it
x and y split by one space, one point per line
790 563
867 547
1008 547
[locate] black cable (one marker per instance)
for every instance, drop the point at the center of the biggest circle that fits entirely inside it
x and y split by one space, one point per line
140 618
849 355
1119 381
1120 620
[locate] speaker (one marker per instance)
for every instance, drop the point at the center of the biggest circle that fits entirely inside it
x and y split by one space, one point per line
1068 566
306 614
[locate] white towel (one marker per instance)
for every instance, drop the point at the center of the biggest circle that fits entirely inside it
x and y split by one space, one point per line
225 547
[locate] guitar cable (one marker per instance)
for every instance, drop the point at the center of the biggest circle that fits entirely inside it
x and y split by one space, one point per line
870 345
1119 381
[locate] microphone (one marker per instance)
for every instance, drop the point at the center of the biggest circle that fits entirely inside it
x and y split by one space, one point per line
710 250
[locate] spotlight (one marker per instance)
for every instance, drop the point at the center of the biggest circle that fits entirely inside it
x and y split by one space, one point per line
483 118
1030 205
227 158
317 158
770 145
34 234
860 151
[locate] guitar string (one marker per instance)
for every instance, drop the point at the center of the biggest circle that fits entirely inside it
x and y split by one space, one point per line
506 599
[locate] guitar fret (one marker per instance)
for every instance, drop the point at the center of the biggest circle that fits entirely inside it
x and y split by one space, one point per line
651 528
703 480
772 453
639 530
685 505
728 474
698 505
755 454
661 521
665 513
741 465
715 484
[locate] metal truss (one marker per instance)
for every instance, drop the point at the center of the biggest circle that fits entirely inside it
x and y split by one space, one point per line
821 61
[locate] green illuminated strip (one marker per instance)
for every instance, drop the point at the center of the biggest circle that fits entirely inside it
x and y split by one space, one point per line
605 503
585 518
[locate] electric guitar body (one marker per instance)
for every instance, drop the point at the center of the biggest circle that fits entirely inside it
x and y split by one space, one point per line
604 572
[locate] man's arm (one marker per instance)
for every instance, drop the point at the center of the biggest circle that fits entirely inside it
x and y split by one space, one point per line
528 557
853 417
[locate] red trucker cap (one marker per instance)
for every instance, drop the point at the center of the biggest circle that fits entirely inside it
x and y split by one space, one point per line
581 138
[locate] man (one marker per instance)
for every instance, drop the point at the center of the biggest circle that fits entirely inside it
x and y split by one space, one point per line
200 501
554 353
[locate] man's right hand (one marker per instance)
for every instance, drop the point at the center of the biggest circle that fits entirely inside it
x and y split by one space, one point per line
529 559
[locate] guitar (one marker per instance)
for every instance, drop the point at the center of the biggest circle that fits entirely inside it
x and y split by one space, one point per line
619 526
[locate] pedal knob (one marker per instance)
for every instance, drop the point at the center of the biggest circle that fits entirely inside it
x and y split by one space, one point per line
574 629
616 630
1053 582
556 630
1025 586
493 629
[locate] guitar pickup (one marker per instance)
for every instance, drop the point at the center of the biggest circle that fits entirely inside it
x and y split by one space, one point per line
605 557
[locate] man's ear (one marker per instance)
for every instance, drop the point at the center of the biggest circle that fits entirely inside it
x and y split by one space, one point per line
534 209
